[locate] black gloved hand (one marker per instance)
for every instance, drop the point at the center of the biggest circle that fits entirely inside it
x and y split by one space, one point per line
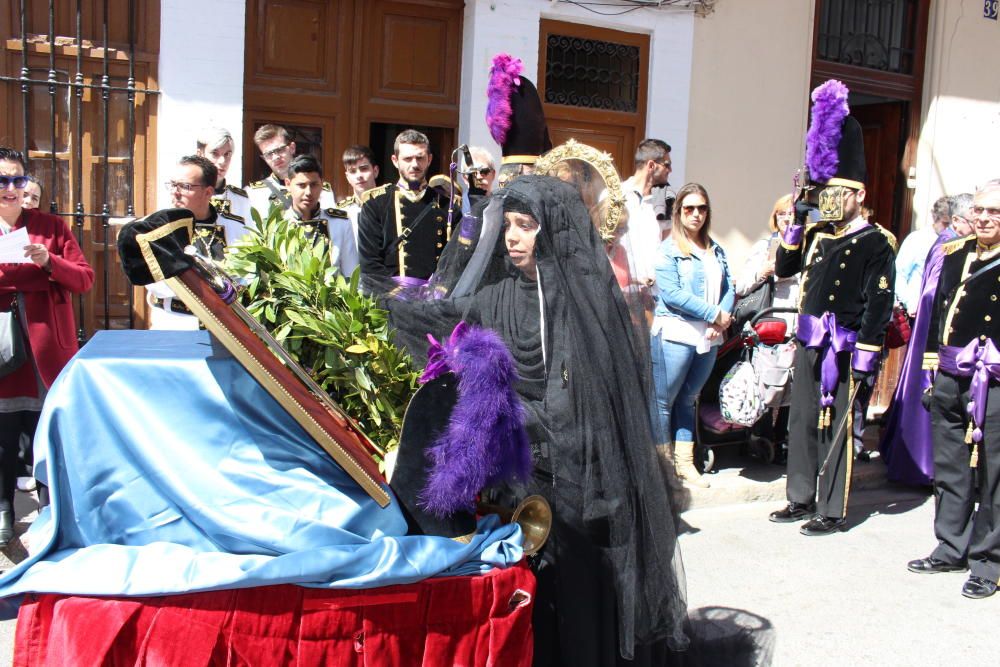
802 209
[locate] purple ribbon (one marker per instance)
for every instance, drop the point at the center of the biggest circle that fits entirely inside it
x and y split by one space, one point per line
438 354
409 281
980 362
823 333
467 228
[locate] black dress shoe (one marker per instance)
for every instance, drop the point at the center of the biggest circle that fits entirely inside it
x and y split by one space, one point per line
822 525
793 512
978 588
6 526
931 565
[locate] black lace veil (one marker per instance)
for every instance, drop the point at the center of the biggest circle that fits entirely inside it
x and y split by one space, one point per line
595 417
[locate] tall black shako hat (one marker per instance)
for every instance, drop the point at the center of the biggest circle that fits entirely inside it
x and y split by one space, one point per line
514 112
835 149
152 248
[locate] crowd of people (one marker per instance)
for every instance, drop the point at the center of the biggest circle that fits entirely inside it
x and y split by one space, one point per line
608 392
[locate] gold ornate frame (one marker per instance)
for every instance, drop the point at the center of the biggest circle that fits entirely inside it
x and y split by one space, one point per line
604 165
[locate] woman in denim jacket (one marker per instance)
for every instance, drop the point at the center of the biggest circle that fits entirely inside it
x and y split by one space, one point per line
694 307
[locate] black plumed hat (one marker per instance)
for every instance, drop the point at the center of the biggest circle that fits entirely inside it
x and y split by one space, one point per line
514 112
835 148
851 169
152 248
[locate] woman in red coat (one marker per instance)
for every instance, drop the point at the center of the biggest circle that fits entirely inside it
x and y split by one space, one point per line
40 290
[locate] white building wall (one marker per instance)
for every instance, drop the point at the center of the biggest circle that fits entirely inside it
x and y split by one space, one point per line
960 133
201 79
512 26
749 112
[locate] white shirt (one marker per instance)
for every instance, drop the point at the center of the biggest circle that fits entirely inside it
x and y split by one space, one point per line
910 266
343 250
642 236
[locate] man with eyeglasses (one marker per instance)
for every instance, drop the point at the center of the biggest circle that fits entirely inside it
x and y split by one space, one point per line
192 187
277 150
361 173
305 183
403 228
846 300
483 170
964 402
644 232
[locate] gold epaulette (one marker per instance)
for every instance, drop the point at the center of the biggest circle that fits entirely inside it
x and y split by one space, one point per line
336 213
349 201
235 190
889 236
374 192
956 244
327 186
257 184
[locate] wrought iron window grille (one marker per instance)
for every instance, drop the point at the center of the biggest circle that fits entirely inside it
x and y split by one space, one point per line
58 82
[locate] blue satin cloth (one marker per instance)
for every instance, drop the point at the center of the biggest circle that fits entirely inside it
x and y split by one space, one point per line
171 470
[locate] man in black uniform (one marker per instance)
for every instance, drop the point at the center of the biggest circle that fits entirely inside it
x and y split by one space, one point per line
846 301
402 228
192 187
965 403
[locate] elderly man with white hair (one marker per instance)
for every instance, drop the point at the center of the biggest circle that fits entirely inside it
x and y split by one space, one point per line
964 402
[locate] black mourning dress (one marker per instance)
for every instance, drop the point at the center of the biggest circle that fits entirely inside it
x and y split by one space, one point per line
610 582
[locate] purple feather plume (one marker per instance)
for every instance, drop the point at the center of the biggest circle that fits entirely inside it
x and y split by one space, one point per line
485 441
828 113
504 77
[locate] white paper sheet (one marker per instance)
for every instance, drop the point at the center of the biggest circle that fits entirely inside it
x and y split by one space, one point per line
12 247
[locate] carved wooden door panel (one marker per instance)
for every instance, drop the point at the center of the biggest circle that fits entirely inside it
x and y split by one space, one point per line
593 84
341 72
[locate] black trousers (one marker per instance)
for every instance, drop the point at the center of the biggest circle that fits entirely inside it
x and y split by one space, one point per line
964 532
809 446
14 462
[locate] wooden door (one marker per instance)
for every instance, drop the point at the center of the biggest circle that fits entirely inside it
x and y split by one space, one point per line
69 127
884 139
593 84
344 72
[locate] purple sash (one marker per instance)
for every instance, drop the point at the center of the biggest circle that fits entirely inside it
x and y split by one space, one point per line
981 362
823 333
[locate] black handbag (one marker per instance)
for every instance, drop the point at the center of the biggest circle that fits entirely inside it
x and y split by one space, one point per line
13 352
760 298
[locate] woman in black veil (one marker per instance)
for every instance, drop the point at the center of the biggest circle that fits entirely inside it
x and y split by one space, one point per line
610 580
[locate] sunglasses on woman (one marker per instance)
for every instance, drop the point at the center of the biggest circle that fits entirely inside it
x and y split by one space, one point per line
688 210
19 182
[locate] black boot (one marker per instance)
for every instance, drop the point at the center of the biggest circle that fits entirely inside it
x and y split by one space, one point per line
6 526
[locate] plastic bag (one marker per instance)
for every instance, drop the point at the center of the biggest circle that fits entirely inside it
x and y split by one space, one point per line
739 395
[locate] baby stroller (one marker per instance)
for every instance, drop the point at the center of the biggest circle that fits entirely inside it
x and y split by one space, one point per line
765 341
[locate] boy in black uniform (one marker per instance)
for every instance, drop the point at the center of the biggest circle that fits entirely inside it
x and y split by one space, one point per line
402 228
965 403
845 304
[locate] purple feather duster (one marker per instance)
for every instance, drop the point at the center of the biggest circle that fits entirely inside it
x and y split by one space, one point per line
485 441
828 113
504 77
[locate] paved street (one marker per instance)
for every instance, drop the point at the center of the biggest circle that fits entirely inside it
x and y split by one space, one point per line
845 599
